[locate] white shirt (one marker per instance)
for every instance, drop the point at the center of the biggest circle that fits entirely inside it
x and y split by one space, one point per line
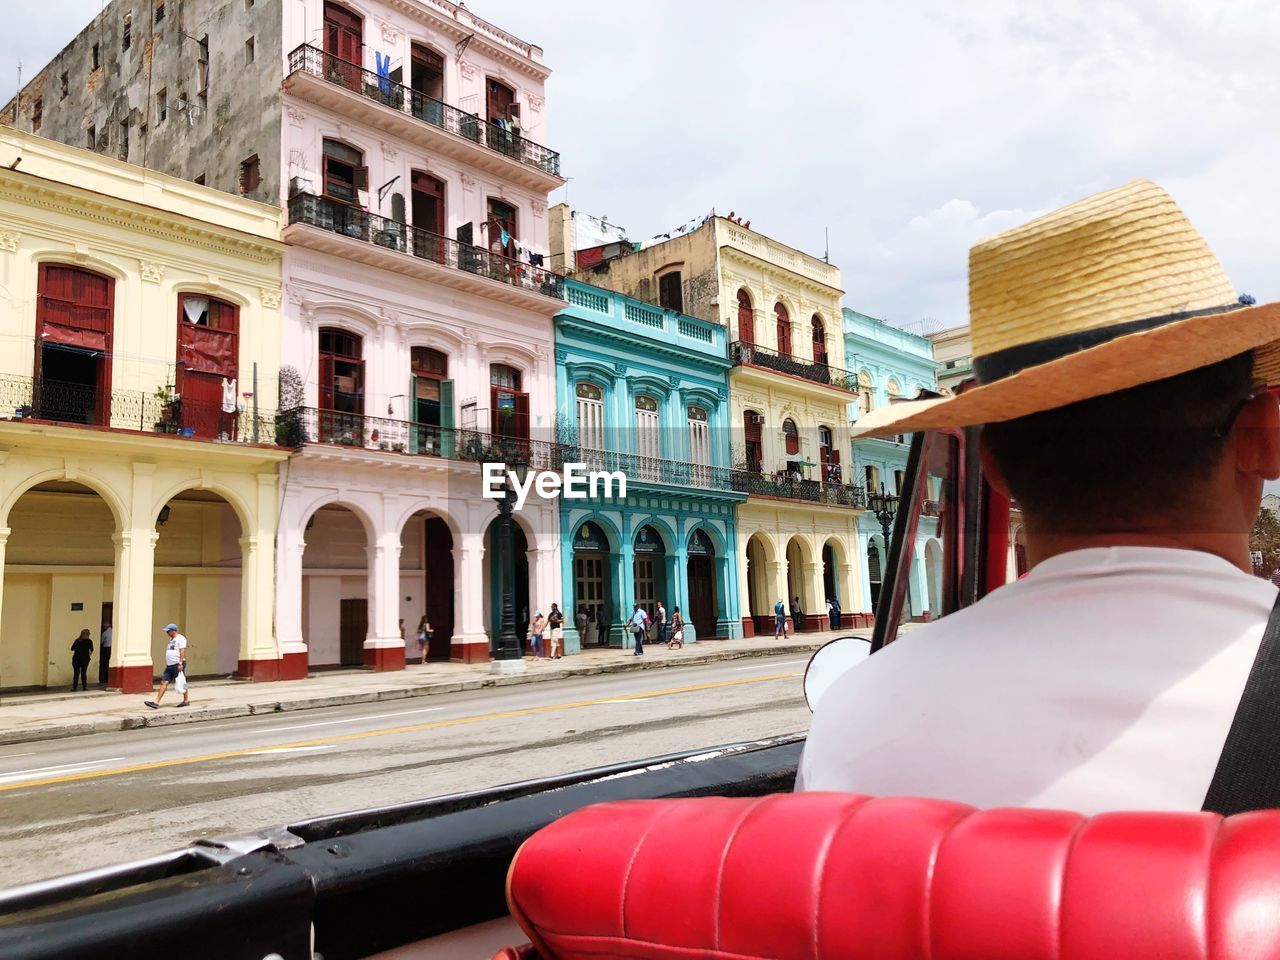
174 649
1106 679
106 637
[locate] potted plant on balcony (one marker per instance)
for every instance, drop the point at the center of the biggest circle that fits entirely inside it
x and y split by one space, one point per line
170 409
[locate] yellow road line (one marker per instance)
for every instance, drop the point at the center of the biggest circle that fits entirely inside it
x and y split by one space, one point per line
390 731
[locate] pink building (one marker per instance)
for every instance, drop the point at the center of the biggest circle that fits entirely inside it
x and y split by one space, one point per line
418 318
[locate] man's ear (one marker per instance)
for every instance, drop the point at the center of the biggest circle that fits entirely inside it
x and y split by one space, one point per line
991 470
1257 433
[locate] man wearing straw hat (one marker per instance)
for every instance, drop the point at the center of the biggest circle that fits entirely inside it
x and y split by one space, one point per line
1121 389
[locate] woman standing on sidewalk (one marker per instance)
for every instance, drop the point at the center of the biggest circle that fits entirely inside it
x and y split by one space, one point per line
536 630
555 626
424 637
676 630
81 654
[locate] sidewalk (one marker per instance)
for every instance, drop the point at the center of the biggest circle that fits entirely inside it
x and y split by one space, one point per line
56 714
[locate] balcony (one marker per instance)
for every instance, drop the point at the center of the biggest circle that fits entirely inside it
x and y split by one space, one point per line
356 234
396 109
786 487
74 404
754 355
360 432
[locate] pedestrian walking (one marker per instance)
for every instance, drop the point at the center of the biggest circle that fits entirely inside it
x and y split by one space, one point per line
797 614
780 620
833 612
638 620
660 618
81 654
581 620
424 637
539 625
175 667
677 630
104 654
555 631
602 625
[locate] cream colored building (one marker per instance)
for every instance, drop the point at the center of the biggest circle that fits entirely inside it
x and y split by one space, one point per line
138 466
790 392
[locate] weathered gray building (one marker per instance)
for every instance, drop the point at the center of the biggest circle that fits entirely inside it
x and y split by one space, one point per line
188 87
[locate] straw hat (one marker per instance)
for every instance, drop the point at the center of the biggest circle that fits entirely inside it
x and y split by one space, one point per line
1107 293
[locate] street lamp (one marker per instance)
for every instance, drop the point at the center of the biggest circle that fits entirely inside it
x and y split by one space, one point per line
508 657
884 506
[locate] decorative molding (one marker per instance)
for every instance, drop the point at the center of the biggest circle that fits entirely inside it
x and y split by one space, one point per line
468 69
535 103
620 369
390 34
389 151
539 208
297 296
468 181
270 298
562 356
152 271
296 117
9 241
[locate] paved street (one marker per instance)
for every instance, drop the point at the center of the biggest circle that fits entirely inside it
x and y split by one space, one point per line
95 800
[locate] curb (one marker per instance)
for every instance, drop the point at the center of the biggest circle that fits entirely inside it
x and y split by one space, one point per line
178 718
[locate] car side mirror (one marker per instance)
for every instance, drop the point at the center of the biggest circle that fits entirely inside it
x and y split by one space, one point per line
830 662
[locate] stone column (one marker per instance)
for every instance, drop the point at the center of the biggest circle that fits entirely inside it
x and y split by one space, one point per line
744 592
383 646
470 643
776 578
812 598
259 657
131 669
4 540
288 601
626 606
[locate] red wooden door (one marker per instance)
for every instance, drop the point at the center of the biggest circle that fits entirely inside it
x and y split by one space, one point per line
75 311
751 428
784 329
343 39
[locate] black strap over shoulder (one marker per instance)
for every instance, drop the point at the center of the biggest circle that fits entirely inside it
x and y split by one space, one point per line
1248 772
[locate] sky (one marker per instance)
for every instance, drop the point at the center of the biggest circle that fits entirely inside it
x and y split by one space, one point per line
908 131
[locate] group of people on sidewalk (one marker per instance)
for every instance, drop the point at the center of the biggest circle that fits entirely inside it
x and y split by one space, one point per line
799 618
669 632
548 630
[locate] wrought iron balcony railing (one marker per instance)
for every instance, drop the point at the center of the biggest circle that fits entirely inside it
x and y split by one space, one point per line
27 398
741 352
368 227
653 470
303 425
792 488
365 83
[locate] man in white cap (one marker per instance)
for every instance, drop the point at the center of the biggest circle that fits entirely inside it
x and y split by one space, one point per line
175 666
1122 392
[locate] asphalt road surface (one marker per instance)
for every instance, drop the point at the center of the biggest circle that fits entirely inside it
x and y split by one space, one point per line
87 802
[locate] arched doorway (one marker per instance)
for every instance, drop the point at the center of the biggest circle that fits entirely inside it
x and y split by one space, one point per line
197 583
649 569
593 580
496 568
830 573
335 587
426 574
702 585
59 577
797 559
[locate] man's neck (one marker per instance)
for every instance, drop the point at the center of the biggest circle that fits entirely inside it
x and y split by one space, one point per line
1231 547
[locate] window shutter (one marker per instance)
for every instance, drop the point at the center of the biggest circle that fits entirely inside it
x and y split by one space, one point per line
446 403
360 178
326 381
360 386
522 416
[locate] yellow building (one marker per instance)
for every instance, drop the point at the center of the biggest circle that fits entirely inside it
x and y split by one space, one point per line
138 466
790 395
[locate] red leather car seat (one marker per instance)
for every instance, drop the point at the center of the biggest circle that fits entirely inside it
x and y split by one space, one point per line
821 875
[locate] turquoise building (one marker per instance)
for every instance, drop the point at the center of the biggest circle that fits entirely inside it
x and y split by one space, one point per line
645 391
890 363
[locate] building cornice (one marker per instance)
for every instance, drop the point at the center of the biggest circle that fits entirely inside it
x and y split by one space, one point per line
781 275
590 328
484 36
29 193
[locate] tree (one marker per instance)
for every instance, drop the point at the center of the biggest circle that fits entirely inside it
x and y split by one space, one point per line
1265 539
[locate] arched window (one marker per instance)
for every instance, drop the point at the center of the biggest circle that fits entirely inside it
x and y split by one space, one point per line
866 392
509 405
499 100
344 172
784 329
746 318
427 197
648 436
75 314
893 388
873 479
829 457
501 227
431 394
590 413
343 45
790 436
699 436
819 340
670 293
752 429
426 80
341 386
208 353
